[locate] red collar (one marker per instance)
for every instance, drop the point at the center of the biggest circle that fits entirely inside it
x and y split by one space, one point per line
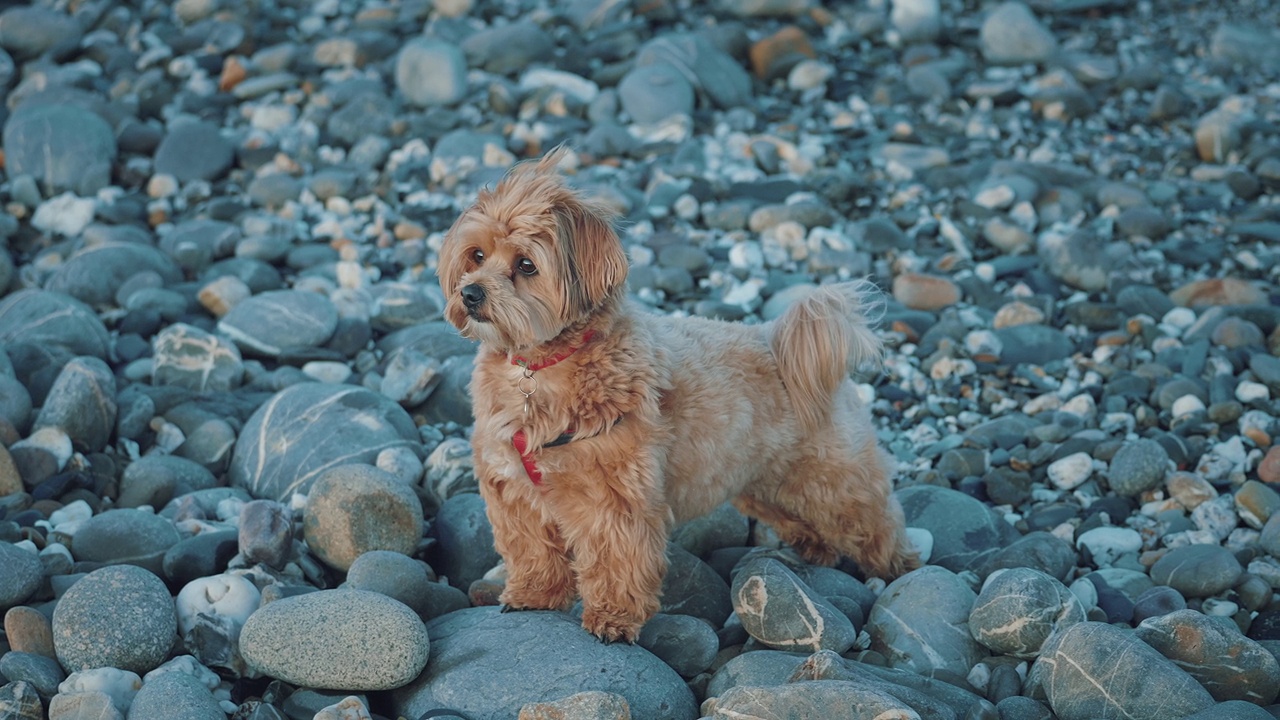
548 362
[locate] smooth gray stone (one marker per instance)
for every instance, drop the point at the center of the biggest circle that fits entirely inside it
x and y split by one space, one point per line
82 403
194 151
921 623
93 274
1212 650
41 317
123 536
964 530
64 147
120 616
175 695
1018 609
21 573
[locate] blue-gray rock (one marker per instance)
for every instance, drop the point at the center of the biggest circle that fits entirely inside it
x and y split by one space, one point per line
200 556
42 672
1138 466
964 530
20 701
921 623
352 509
280 321
21 573
449 470
759 668
410 377
1018 609
687 644
15 407
589 705
64 147
1095 670
926 696
41 317
156 479
463 551
194 150
187 357
1229 665
1011 35
1232 710
174 695
1039 550
30 31
692 587
1197 571
1157 601
398 305
651 93
120 616
132 537
1079 258
266 533
1033 345
82 403
406 579
508 49
94 274
431 72
723 527
711 71
311 427
196 244
780 611
488 665
336 640
832 699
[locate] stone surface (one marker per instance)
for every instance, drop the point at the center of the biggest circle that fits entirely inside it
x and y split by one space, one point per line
1197 570
1228 664
119 617
326 639
353 509
175 694
921 623
780 611
134 537
306 429
63 146
1018 609
276 322
964 531
489 665
20 575
1137 681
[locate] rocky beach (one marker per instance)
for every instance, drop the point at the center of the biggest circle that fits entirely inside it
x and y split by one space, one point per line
235 469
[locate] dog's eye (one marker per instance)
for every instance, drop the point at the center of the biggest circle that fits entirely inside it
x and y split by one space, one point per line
477 256
526 266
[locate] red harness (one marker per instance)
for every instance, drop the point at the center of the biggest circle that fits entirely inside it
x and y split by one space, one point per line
520 441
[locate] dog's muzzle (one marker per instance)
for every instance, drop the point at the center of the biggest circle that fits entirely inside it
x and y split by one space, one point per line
472 297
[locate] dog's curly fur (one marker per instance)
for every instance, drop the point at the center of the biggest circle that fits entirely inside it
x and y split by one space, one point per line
669 417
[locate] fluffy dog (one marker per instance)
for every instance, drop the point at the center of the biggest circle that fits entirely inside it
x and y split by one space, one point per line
600 425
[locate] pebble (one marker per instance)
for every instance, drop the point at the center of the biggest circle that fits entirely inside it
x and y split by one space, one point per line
28 631
21 573
62 146
266 533
135 537
20 700
1140 682
1018 609
116 617
1138 466
321 639
1012 35
921 623
963 529
651 93
1107 545
1228 664
431 72
780 611
1197 571
685 643
336 523
212 610
319 426
194 150
275 322
463 551
175 694
590 705
925 292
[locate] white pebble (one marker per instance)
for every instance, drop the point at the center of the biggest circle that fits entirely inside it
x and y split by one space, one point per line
1248 391
922 541
746 256
1215 607
809 74
119 685
1086 592
66 214
1071 471
1107 544
228 597
1187 405
187 665
328 371
1082 406
1180 318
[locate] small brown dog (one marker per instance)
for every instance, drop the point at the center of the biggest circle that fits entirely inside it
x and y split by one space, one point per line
599 425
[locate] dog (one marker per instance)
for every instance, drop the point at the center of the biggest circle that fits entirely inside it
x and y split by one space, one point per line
599 426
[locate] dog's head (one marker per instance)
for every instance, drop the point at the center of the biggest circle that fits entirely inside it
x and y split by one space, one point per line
530 258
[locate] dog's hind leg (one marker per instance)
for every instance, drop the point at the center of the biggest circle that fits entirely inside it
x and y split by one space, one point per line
835 502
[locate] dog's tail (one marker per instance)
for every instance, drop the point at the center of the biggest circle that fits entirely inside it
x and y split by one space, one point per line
819 340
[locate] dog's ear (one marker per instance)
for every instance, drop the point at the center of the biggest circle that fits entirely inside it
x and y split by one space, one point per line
450 264
590 248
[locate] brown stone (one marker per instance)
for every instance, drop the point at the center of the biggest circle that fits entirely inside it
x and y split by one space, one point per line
775 55
1218 291
925 292
1234 332
29 631
590 705
10 478
1269 468
1017 313
233 73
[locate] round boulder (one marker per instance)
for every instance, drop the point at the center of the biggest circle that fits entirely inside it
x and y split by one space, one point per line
1018 609
353 509
336 640
921 623
488 665
116 617
309 428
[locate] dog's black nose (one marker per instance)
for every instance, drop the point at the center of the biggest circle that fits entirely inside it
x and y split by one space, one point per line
472 296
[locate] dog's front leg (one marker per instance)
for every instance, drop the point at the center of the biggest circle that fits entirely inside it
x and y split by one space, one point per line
539 576
616 522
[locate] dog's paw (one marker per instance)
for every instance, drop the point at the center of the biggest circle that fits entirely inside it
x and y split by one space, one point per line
611 630
505 608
